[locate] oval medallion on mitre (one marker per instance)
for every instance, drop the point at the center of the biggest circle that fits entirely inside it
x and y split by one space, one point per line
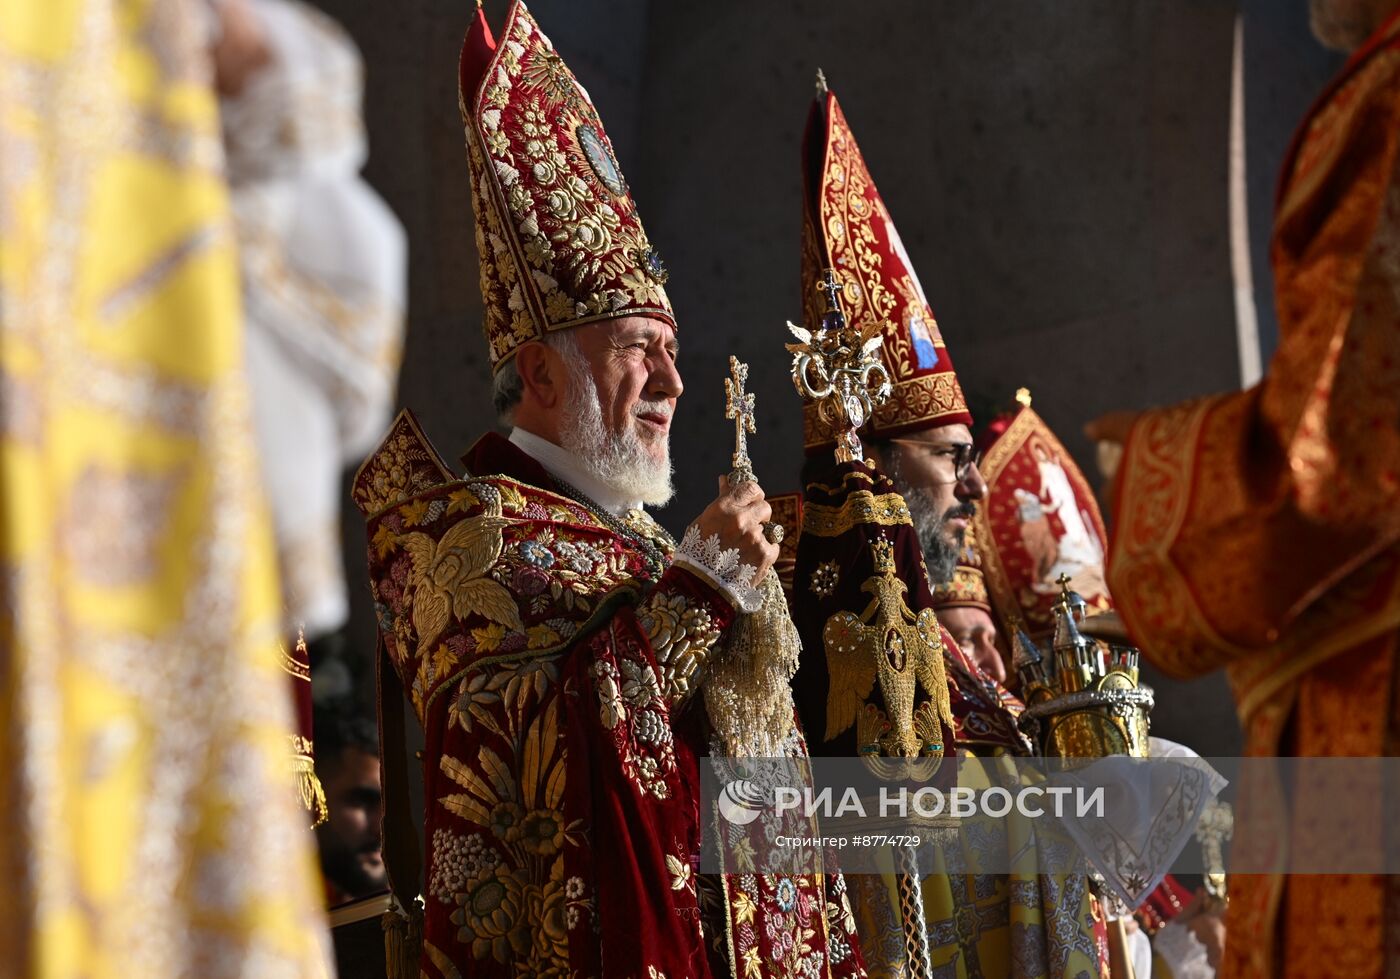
600 158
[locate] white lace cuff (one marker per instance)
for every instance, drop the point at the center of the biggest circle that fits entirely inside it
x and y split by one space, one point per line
722 568
1182 952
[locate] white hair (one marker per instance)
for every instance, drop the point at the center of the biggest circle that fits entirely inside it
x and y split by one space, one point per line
507 388
619 459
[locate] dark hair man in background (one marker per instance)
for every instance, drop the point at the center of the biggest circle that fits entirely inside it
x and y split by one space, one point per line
347 762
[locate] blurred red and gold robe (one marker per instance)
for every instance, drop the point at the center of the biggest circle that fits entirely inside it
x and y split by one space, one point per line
1260 531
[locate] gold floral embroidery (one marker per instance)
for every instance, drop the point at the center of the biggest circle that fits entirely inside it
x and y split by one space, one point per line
513 903
681 635
546 181
404 465
631 706
852 231
680 873
611 710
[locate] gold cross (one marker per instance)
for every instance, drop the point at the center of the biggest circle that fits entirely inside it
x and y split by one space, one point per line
739 407
829 288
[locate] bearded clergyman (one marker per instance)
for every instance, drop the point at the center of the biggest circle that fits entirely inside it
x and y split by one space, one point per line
894 520
549 634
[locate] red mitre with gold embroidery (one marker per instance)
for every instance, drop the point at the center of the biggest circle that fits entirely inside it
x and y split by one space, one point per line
1040 520
557 232
846 227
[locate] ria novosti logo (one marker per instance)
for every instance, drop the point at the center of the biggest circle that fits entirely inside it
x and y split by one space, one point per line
741 802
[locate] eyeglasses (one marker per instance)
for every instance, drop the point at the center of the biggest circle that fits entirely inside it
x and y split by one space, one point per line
963 455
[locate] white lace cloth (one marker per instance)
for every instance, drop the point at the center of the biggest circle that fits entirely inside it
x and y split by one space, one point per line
722 567
1181 952
1150 809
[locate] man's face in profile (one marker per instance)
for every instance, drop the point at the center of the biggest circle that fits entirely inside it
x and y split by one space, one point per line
351 854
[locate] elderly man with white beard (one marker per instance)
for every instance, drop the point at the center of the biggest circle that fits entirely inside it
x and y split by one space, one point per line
549 634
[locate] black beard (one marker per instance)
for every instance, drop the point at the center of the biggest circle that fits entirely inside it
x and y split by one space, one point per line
340 863
941 555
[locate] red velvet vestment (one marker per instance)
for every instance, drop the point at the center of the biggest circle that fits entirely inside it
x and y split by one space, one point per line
550 652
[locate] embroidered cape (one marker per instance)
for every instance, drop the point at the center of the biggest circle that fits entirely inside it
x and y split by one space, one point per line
551 652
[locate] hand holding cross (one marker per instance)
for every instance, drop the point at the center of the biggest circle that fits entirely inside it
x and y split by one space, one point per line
739 408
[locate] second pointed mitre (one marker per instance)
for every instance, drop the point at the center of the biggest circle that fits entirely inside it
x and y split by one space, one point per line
558 234
846 227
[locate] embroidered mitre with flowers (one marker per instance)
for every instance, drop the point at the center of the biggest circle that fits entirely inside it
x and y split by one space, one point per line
847 228
557 233
551 648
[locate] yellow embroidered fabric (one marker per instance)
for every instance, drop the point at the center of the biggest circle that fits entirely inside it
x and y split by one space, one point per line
150 827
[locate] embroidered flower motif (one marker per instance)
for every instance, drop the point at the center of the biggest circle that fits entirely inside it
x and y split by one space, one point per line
542 832
786 894
537 250
824 579
505 821
530 581
550 923
535 553
611 709
573 888
558 307
581 558
469 705
491 916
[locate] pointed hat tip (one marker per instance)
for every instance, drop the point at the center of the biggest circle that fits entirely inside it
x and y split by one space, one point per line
821 82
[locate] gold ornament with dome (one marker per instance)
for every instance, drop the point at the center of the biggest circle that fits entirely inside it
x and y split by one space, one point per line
1084 698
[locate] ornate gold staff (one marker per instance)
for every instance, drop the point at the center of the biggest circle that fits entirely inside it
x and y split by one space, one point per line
739 408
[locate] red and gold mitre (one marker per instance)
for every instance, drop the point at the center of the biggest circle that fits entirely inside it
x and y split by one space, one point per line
557 232
968 589
1039 521
846 227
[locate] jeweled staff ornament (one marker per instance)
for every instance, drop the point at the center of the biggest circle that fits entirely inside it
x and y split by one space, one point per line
839 368
739 408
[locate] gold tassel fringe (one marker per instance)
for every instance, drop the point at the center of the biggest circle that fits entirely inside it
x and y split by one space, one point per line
403 941
747 692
